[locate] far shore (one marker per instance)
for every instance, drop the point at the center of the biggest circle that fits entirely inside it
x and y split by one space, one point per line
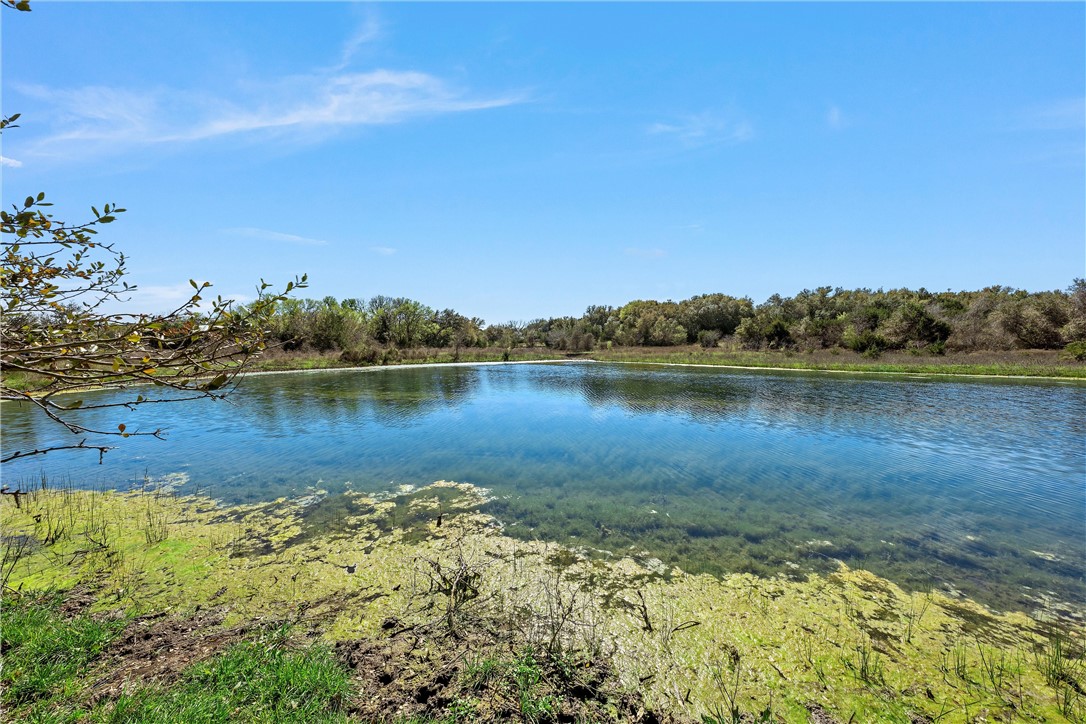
1023 365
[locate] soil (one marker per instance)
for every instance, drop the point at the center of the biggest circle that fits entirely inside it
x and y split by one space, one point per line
156 649
407 676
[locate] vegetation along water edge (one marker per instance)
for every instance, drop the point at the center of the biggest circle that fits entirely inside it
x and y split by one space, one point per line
414 606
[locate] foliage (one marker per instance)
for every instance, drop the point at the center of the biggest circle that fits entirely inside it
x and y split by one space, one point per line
865 321
1076 351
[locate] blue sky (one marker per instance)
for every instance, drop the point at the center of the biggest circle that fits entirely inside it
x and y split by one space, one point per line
513 161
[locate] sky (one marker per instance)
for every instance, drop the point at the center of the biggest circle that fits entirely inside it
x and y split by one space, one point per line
514 161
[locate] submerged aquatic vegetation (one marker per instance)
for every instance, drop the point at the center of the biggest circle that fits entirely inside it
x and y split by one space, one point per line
425 563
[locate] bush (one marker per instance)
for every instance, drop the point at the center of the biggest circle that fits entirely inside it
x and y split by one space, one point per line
1075 351
364 355
708 338
867 342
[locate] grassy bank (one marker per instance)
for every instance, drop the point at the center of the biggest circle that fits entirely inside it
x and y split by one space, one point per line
280 360
415 607
1019 363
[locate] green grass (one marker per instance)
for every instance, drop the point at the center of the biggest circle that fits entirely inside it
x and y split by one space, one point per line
1022 363
1015 363
45 654
259 681
49 662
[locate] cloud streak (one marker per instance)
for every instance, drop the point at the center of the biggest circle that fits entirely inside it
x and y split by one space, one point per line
10 162
267 235
704 129
99 119
383 250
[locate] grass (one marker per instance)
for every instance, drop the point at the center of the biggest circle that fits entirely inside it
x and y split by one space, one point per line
260 681
51 660
281 360
1016 363
999 363
46 653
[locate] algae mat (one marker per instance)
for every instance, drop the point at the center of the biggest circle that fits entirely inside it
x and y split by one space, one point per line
845 646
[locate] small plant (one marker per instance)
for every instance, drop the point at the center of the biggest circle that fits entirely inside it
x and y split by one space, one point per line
727 680
994 666
527 674
1061 672
915 615
956 661
868 664
155 525
477 673
459 582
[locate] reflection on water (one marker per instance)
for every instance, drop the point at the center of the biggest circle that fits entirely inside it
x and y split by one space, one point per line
973 485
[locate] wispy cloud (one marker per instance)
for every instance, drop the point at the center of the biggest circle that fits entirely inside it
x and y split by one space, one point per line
94 120
835 118
705 129
10 162
383 250
1067 114
267 235
646 253
367 32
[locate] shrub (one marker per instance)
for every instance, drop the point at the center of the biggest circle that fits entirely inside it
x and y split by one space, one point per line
708 338
364 355
1075 351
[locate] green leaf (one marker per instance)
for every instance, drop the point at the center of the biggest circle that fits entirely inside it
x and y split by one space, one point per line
216 383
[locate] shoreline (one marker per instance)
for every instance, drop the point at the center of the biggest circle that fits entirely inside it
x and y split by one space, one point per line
181 573
933 374
966 375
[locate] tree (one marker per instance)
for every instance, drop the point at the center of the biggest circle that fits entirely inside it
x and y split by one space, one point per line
57 278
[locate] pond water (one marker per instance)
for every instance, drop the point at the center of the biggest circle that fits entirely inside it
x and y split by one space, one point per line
975 486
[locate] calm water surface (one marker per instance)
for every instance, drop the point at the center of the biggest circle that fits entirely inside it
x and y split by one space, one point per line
974 486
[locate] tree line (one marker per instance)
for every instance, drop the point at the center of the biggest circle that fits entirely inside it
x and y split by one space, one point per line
865 321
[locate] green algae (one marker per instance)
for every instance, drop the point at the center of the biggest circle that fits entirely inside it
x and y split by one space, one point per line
357 565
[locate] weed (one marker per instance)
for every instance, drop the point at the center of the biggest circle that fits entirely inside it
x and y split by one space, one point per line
915 615
479 672
43 652
727 680
459 582
868 665
1061 672
527 674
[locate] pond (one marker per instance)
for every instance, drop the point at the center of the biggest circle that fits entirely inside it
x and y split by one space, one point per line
959 485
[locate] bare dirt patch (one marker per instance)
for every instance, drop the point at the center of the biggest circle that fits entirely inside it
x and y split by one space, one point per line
407 676
155 649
